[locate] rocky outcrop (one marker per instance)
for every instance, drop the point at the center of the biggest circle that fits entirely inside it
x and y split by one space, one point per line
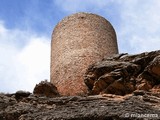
21 94
138 106
45 88
121 87
122 74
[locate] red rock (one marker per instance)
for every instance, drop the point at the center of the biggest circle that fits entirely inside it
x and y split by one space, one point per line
154 67
45 88
122 74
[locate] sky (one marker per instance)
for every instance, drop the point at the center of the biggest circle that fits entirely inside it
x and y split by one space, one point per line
26 27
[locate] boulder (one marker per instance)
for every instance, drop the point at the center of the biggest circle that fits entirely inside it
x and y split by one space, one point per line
45 88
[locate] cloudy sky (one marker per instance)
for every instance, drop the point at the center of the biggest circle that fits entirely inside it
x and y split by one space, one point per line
26 27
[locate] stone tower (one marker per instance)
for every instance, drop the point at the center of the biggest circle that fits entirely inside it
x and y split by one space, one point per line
78 41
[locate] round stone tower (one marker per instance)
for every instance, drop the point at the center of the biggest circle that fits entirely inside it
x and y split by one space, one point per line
78 41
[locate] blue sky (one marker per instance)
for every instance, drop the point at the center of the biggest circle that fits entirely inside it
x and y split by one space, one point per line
26 27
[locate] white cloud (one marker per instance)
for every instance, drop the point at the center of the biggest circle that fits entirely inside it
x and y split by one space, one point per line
71 6
22 66
136 21
24 56
140 23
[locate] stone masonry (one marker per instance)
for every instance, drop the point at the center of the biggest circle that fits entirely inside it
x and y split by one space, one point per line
78 41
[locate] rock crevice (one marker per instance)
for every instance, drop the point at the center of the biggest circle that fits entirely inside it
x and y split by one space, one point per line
122 74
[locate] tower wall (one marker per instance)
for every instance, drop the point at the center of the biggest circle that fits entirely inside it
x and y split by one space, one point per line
78 41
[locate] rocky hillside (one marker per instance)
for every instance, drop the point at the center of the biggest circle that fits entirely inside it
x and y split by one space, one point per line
122 74
98 107
119 87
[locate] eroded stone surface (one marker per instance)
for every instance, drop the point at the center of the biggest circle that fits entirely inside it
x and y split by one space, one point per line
97 107
45 88
122 74
133 85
